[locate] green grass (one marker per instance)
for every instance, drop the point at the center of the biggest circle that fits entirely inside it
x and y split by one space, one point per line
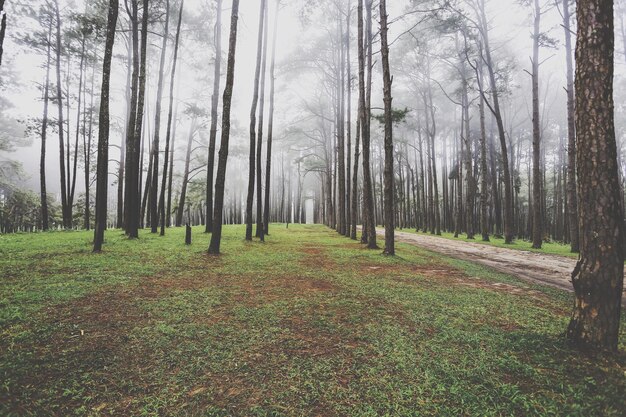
554 248
307 324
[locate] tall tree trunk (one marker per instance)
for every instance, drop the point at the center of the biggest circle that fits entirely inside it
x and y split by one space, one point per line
253 110
537 176
484 186
154 217
364 110
67 218
349 220
599 274
168 135
270 127
572 212
260 229
129 106
215 98
131 178
103 131
495 109
341 150
72 186
355 181
390 205
216 236
44 133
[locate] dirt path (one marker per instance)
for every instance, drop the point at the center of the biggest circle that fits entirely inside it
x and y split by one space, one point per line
534 267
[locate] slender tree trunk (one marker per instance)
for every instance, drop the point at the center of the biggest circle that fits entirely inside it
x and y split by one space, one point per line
87 153
154 186
365 94
183 192
168 135
215 98
484 186
171 170
260 229
3 28
216 236
44 133
537 176
495 109
67 220
72 187
571 135
103 131
599 274
390 205
253 111
270 127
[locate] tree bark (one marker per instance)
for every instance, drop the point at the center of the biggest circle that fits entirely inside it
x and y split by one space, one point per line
44 133
537 189
215 98
270 127
216 236
599 274
572 205
390 205
168 135
369 227
103 131
154 217
260 229
67 217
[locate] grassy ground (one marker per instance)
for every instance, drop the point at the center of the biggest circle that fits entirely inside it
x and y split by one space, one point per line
554 248
307 324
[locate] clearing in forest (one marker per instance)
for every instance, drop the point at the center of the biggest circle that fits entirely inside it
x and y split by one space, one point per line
306 324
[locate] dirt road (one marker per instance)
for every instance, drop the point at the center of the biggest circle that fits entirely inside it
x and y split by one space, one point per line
533 267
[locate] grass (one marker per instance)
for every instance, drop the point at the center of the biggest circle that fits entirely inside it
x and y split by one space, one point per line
307 324
554 248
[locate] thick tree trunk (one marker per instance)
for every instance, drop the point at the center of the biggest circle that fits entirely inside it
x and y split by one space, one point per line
130 180
390 205
103 131
599 275
168 135
216 236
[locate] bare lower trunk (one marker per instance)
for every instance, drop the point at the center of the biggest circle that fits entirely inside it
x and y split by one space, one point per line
599 274
216 236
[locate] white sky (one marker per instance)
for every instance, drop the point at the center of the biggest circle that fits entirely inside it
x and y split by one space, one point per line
511 31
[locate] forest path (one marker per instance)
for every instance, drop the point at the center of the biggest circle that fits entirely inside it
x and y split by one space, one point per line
534 267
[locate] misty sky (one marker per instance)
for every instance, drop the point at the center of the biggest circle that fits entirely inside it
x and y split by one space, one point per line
510 36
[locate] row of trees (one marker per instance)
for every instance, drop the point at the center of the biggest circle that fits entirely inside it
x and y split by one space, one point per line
450 157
